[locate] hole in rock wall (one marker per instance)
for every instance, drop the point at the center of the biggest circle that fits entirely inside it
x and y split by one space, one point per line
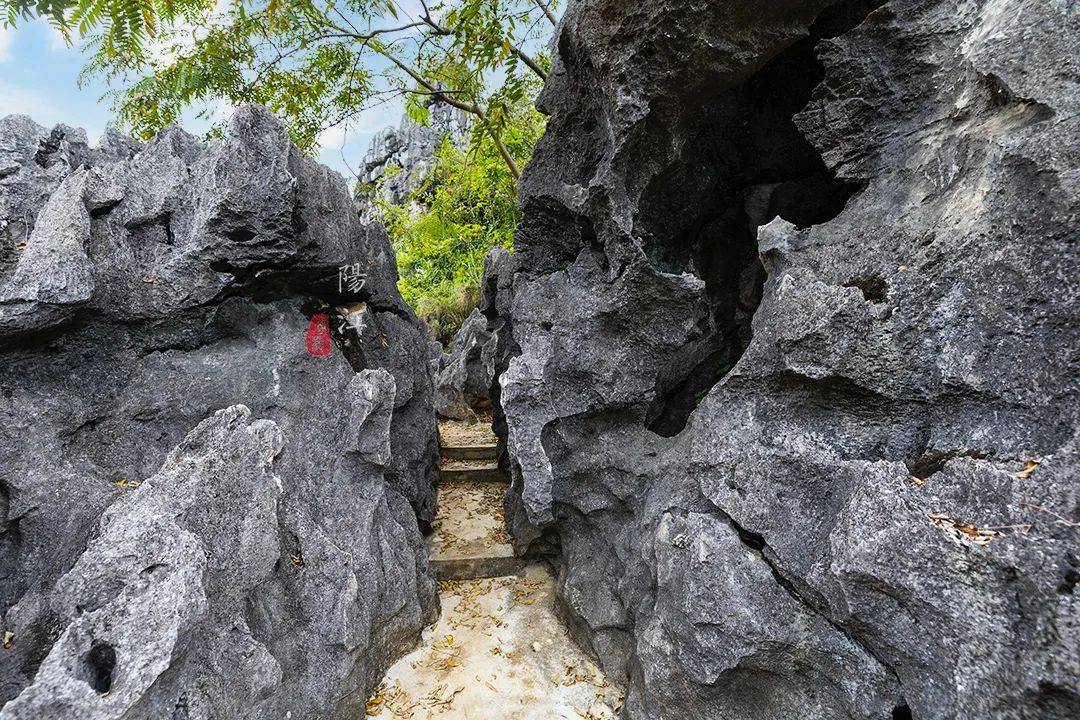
874 288
901 712
744 163
1056 701
99 665
1071 576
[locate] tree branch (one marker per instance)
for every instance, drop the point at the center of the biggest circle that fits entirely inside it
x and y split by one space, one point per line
523 56
505 155
440 93
547 11
530 62
468 107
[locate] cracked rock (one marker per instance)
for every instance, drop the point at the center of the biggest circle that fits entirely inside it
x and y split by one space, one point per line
468 371
791 379
159 285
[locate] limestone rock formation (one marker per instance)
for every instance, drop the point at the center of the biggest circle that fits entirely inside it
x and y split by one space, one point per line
467 376
402 157
157 286
792 377
27 185
467 371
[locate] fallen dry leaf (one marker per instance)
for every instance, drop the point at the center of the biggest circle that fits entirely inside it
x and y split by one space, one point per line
374 705
1029 468
961 532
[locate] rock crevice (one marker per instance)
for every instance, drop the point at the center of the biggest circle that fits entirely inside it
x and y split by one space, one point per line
788 366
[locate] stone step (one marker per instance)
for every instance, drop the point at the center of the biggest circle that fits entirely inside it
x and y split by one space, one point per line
468 538
470 452
476 568
481 474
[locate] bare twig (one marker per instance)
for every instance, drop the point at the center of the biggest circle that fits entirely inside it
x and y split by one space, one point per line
532 64
435 93
1061 519
1023 528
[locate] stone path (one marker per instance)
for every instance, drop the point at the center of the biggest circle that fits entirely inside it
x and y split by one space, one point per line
498 651
468 538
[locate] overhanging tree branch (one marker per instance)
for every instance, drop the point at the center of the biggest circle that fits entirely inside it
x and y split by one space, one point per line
469 107
547 11
518 52
532 65
295 55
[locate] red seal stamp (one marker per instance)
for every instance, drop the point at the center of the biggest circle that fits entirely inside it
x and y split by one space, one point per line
318 336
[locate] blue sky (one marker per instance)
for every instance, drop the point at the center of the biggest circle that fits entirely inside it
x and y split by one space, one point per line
39 77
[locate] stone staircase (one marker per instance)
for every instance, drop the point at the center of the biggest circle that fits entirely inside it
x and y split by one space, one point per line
498 650
468 539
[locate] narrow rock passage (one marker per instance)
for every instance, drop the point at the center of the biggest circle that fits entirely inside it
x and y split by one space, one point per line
498 651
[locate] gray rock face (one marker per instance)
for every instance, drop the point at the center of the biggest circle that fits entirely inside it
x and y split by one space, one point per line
155 289
402 157
34 163
467 371
467 377
794 313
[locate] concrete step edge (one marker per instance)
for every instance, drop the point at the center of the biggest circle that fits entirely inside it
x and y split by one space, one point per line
485 474
470 452
476 568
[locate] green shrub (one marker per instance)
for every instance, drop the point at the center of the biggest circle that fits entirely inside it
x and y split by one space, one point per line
465 207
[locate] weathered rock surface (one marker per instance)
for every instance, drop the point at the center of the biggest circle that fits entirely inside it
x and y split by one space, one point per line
467 371
158 286
794 312
400 159
33 162
467 378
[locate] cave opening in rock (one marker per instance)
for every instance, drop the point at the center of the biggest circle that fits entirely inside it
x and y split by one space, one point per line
100 664
1071 575
701 215
933 461
901 712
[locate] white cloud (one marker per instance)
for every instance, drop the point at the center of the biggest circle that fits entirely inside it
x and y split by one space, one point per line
46 111
333 138
377 117
24 101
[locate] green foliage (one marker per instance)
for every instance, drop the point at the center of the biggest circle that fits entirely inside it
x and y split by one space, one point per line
126 25
469 205
314 63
